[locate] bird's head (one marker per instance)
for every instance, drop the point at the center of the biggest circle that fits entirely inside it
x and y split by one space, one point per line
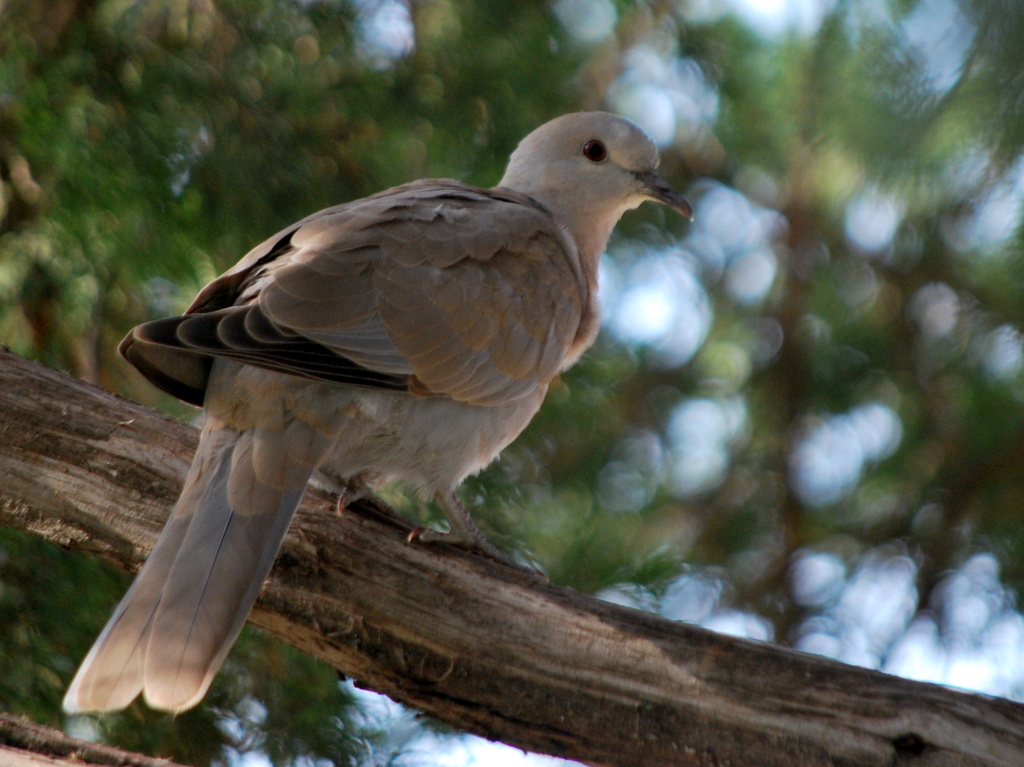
589 168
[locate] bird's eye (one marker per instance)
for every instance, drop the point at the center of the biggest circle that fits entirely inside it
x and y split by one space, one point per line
595 150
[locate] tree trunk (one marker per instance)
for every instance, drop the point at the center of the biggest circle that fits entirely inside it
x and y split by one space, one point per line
478 645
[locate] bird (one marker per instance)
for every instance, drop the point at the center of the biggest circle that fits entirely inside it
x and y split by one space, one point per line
408 336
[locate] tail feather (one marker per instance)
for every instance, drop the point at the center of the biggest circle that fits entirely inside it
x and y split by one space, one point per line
111 676
210 592
176 624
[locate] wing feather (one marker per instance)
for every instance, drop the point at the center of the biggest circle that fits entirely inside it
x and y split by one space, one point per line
449 289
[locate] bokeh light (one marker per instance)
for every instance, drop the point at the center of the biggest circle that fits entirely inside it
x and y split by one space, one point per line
667 95
658 301
588 21
871 221
830 458
701 433
939 36
387 32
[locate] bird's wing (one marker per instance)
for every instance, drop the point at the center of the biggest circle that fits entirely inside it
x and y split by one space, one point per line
435 287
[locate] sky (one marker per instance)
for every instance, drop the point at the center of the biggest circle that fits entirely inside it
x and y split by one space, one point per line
775 17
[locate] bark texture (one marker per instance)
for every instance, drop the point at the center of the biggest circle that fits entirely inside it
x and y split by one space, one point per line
480 646
24 743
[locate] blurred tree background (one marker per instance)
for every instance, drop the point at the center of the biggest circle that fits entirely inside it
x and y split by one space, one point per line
803 421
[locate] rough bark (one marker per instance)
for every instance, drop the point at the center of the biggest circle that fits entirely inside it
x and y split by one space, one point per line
24 743
481 646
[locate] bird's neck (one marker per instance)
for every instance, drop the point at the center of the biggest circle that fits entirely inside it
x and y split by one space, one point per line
588 219
586 211
590 233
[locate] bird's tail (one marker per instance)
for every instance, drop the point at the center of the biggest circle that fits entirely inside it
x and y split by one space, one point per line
174 627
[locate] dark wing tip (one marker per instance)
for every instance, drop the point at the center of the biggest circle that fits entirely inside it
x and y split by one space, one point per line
176 371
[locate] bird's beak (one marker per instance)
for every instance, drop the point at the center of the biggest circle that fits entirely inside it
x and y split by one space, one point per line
656 188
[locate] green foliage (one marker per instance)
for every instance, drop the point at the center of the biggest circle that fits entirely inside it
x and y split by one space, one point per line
840 381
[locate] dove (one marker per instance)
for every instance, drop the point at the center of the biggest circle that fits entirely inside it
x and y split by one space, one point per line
408 336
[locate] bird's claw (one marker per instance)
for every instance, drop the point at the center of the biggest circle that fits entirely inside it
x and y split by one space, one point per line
470 543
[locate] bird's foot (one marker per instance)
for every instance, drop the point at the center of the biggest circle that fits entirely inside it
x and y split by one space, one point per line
470 542
350 491
465 534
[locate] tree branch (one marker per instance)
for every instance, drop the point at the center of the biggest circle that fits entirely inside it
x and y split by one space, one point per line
480 646
26 744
